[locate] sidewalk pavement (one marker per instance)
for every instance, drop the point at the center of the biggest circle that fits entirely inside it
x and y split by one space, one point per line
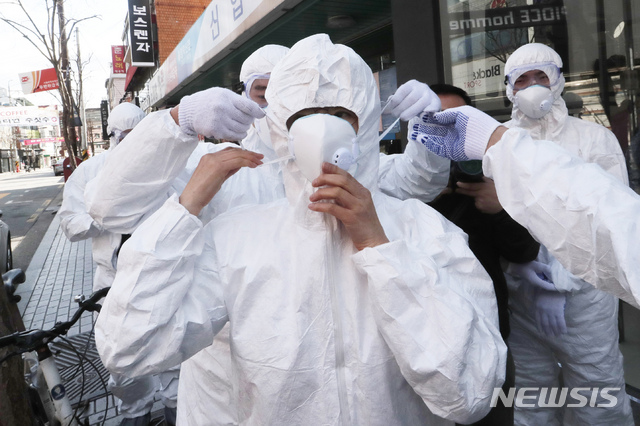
60 270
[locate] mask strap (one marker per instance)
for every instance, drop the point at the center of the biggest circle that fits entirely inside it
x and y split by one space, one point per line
386 105
279 160
388 129
392 124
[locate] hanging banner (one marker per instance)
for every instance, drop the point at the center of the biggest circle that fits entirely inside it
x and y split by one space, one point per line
39 81
41 140
222 22
117 60
140 33
28 116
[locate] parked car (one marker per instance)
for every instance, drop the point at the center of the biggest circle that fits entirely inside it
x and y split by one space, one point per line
58 168
6 256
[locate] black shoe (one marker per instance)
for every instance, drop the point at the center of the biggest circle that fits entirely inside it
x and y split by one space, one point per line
170 416
137 421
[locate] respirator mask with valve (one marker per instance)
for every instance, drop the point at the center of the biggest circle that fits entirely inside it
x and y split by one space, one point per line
534 101
317 138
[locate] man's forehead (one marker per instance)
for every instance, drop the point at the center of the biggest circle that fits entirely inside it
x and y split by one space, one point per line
534 72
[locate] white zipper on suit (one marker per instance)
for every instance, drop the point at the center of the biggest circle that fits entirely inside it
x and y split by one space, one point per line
544 129
345 415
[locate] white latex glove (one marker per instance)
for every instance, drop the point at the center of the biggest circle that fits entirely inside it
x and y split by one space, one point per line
535 273
549 311
218 113
411 99
459 134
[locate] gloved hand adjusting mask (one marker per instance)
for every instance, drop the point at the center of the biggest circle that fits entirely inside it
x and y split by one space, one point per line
316 138
534 101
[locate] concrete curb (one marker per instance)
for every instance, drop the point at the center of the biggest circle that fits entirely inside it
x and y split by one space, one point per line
37 263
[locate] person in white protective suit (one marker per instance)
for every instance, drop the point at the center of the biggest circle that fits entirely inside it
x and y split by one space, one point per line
330 322
577 326
117 200
254 75
584 216
135 396
75 221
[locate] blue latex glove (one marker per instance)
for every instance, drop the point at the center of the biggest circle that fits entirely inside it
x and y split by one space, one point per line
535 273
412 99
459 134
549 312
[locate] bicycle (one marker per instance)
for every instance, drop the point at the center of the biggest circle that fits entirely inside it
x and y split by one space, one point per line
49 399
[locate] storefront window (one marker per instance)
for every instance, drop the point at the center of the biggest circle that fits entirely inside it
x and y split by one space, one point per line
598 41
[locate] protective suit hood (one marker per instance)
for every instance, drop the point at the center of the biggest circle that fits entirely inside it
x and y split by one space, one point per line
259 65
530 57
262 60
318 73
123 117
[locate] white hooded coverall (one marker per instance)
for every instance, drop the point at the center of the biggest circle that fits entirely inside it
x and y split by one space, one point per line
138 178
135 396
260 63
588 352
320 333
75 221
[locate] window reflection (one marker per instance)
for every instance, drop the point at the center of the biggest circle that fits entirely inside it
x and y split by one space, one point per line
601 63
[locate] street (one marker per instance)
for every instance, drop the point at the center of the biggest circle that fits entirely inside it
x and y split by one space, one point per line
29 201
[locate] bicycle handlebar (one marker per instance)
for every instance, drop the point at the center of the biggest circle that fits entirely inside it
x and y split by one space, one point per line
86 305
27 341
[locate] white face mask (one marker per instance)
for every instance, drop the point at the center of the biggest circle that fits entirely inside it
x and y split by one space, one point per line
534 101
316 138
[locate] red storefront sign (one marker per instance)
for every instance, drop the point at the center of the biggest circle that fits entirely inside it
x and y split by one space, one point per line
41 140
117 60
39 81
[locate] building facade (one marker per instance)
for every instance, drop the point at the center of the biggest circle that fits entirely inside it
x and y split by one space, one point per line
115 89
93 123
462 42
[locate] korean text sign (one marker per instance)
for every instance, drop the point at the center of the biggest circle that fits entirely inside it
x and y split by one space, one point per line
117 60
140 33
